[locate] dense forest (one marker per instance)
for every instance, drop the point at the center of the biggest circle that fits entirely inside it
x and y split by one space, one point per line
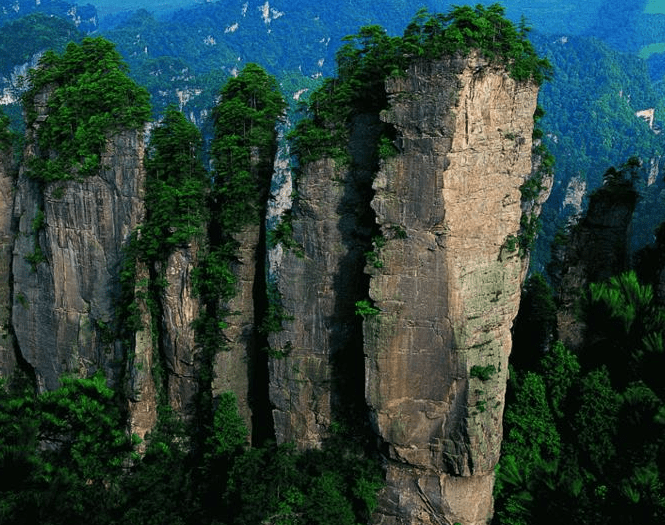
584 440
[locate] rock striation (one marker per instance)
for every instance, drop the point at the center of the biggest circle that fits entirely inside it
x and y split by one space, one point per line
67 258
444 287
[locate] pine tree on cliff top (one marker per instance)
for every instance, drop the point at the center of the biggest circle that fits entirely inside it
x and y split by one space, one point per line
369 57
92 97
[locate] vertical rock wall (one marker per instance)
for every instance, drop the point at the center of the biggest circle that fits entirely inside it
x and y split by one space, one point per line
180 309
447 288
317 285
232 364
597 249
316 372
64 306
7 347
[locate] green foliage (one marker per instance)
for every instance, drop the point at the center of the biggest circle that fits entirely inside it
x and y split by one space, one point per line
511 243
282 234
68 459
561 371
584 431
386 148
21 39
229 431
364 308
6 135
596 420
91 97
39 221
245 145
334 485
484 373
36 257
466 28
275 313
176 187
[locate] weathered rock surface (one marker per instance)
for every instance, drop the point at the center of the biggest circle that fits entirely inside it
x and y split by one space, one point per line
64 305
317 285
316 376
141 387
7 347
180 308
447 287
232 367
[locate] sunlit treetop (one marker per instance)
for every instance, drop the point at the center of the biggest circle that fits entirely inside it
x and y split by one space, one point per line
92 97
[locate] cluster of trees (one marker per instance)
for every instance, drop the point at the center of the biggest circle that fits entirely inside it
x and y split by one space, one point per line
584 427
66 458
369 57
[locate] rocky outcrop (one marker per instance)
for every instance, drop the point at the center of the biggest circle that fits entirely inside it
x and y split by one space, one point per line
596 250
67 257
444 288
448 286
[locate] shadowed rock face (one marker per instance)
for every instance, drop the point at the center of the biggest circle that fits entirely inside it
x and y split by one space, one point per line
597 250
62 306
7 355
319 381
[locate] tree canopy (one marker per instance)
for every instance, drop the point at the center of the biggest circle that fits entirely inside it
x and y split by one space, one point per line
90 96
367 58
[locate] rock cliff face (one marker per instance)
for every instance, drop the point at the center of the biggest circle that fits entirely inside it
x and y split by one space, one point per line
444 282
179 309
448 287
232 367
597 249
316 372
66 261
7 352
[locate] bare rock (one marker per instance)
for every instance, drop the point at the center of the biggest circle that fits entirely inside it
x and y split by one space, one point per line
447 287
64 301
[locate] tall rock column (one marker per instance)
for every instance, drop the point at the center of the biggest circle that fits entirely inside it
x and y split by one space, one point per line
7 351
447 287
67 258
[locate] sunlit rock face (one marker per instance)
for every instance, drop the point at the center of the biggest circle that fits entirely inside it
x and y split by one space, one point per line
64 305
448 287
